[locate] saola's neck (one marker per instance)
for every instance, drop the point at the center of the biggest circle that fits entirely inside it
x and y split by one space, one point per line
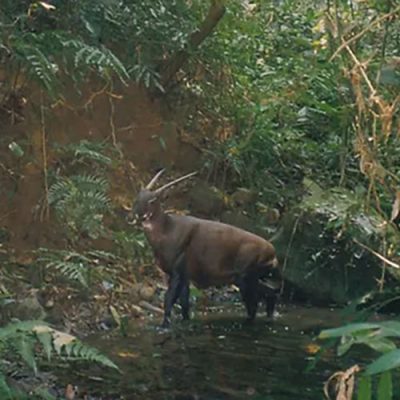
158 222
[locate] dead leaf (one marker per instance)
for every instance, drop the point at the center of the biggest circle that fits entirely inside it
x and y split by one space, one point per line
42 329
127 354
62 339
342 383
395 207
47 6
312 348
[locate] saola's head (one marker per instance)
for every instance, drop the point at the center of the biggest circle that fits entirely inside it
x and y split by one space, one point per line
147 202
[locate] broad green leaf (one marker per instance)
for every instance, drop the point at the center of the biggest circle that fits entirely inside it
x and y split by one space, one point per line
384 363
380 344
347 330
385 387
364 391
390 328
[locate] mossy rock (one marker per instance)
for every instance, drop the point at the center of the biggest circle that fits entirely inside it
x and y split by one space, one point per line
318 251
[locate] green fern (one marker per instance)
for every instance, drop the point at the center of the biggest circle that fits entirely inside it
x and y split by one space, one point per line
31 339
73 265
80 202
100 58
37 65
85 151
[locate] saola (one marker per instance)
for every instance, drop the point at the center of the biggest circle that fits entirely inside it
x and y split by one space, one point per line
207 253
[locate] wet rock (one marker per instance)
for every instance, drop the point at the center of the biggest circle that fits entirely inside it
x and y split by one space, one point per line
205 200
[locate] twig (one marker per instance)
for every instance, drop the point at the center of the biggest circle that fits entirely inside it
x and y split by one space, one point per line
295 225
46 209
112 126
362 69
380 256
365 30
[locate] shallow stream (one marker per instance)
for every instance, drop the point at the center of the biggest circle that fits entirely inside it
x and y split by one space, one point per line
216 357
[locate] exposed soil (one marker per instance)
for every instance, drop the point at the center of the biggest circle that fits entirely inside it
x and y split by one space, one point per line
147 132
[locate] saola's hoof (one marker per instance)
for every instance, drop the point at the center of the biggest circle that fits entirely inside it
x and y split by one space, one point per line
166 324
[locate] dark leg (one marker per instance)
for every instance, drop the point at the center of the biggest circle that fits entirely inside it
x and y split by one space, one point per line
249 290
270 301
184 300
171 295
269 296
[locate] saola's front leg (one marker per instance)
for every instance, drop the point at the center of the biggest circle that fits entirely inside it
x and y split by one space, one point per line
184 299
178 287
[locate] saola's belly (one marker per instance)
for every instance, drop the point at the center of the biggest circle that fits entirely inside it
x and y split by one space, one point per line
203 279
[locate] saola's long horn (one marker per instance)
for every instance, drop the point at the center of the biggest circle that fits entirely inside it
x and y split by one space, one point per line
154 179
162 188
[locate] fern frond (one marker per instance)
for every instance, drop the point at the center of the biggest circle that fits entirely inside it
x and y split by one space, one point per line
27 334
80 202
38 66
73 265
99 58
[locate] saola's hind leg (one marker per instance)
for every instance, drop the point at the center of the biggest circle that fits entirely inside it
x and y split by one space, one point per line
248 286
269 296
184 299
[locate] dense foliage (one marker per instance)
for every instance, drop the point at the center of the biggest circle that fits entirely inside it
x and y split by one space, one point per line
305 94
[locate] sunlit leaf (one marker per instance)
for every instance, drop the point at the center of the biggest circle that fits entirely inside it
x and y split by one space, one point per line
347 330
62 339
47 6
16 149
384 363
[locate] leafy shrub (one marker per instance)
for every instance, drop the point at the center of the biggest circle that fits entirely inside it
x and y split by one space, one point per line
379 337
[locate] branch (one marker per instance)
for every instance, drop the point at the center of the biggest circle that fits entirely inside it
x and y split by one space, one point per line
380 256
366 29
215 13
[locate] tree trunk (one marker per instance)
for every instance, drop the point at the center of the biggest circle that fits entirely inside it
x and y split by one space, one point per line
215 13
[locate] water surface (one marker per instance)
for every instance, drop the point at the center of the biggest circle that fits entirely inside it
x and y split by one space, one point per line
216 357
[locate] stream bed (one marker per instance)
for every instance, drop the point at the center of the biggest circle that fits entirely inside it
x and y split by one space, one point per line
215 357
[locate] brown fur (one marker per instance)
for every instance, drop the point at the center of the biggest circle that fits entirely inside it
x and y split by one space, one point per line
204 252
